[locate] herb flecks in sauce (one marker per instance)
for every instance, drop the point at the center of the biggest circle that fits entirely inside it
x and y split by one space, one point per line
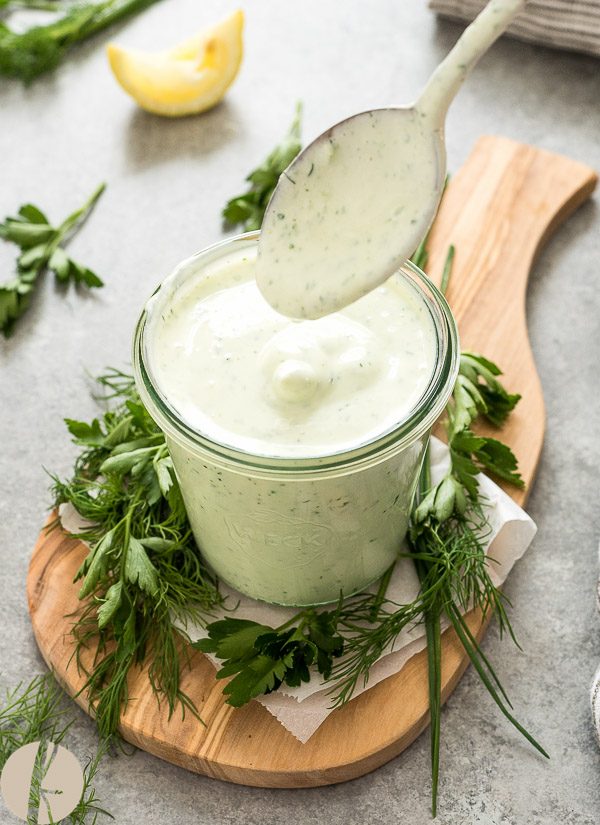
271 386
352 199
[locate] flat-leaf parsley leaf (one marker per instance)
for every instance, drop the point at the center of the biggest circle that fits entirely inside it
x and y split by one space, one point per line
249 208
42 249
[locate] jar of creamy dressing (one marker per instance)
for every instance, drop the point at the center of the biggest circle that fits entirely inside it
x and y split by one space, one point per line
297 444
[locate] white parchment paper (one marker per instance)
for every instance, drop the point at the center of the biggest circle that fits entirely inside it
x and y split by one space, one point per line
301 710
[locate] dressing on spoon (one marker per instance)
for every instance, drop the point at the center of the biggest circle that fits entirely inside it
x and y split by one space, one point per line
359 199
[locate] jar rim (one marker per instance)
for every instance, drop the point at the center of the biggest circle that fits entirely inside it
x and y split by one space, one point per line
402 434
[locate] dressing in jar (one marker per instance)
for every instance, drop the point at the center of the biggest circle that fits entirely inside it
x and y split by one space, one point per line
297 444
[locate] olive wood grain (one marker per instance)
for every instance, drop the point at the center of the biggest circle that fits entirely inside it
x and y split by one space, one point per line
497 211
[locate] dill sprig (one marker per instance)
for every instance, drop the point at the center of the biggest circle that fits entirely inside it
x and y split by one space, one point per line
448 527
369 625
30 713
36 712
143 569
447 544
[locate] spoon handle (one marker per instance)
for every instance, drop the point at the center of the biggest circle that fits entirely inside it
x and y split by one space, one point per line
477 38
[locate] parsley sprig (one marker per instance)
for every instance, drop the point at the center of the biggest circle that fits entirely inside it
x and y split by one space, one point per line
261 658
249 208
42 249
477 392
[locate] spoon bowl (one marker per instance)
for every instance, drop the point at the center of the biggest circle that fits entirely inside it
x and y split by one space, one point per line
363 166
361 197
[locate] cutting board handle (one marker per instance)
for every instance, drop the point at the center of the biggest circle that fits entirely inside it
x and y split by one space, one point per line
498 211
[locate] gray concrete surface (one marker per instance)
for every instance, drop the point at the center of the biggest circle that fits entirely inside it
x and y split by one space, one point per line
167 183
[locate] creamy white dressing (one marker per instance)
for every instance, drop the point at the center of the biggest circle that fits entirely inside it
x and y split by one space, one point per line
243 375
317 499
348 212
318 496
358 200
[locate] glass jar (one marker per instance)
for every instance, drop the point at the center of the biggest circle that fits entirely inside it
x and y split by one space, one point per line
299 531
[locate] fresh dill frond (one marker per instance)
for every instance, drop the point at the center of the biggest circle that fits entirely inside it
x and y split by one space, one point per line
32 712
37 712
369 626
143 569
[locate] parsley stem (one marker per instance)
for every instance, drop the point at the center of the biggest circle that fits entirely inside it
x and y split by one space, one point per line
302 615
80 214
447 271
125 9
127 527
40 48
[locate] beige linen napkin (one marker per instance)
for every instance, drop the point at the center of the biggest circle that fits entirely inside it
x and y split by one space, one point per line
562 24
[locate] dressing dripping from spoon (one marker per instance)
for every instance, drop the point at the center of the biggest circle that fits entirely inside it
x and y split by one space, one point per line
359 199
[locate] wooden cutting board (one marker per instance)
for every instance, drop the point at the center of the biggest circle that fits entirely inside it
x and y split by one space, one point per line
498 211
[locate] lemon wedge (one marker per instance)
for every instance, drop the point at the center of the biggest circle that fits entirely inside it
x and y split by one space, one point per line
187 79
